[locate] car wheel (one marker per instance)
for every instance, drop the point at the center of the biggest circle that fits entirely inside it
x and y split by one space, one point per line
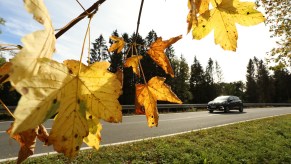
241 108
210 111
226 109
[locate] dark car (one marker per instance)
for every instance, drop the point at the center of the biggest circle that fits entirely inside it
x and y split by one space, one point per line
225 103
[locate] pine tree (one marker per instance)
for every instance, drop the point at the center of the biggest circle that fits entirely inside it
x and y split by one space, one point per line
264 83
182 81
99 52
197 81
218 73
251 94
209 86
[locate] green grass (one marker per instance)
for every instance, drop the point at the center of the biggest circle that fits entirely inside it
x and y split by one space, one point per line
261 141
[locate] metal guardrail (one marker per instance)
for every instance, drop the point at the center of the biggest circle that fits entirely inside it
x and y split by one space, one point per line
184 106
165 106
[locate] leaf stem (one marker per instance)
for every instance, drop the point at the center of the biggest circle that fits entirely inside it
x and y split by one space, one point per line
91 10
84 41
5 107
139 64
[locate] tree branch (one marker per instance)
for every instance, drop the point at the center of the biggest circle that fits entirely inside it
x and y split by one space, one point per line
138 21
91 10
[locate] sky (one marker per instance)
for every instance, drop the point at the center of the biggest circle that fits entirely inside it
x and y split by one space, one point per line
166 17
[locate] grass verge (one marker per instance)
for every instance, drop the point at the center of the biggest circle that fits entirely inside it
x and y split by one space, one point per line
261 141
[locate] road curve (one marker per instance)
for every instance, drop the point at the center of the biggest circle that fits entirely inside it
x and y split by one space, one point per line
135 127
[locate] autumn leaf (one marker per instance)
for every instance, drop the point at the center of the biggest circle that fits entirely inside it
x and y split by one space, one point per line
5 68
42 134
156 52
133 62
148 94
74 66
57 89
149 102
222 19
94 137
36 45
138 108
4 72
195 7
192 15
105 89
27 140
117 45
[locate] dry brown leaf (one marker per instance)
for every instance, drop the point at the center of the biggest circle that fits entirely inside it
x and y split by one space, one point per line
42 134
27 140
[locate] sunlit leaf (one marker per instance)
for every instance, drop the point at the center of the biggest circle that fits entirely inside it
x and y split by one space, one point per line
59 89
36 45
222 19
156 52
149 102
148 94
117 45
133 62
94 137
103 91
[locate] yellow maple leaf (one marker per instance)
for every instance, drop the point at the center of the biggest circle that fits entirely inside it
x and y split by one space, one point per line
103 91
36 45
117 45
74 66
195 7
133 62
57 89
94 137
222 19
156 52
148 94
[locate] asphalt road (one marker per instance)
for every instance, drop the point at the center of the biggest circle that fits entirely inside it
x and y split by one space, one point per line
135 127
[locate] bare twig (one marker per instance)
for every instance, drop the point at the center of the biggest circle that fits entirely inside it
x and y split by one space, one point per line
5 107
91 10
138 21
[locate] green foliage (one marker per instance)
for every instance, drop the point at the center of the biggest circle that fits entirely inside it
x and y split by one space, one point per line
260 141
180 83
278 18
2 22
262 87
233 88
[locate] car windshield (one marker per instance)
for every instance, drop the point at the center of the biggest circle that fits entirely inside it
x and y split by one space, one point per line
221 98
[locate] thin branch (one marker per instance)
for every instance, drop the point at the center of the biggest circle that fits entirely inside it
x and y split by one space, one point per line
138 20
91 10
5 107
81 5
